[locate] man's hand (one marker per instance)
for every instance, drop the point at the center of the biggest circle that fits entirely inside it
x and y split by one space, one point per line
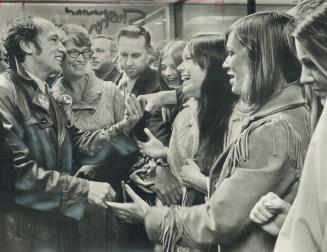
270 213
133 113
167 187
99 193
153 147
133 212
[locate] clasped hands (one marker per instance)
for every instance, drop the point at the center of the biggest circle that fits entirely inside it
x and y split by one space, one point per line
130 212
133 113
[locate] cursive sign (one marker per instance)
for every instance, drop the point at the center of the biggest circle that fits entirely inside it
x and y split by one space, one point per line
109 16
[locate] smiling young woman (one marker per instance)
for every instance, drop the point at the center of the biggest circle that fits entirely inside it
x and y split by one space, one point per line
266 154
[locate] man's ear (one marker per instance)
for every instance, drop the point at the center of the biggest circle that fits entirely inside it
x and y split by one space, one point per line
150 50
150 53
26 46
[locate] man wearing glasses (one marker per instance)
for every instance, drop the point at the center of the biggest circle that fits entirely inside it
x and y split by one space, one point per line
48 199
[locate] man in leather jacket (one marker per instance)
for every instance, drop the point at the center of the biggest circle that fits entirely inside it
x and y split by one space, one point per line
48 199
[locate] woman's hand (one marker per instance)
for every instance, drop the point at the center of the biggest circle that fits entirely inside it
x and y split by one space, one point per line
192 177
151 102
167 187
270 213
153 147
133 113
133 212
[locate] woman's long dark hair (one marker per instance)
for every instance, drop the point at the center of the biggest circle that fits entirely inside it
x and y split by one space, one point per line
217 99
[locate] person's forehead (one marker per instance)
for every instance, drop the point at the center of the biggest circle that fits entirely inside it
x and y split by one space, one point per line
132 43
233 42
70 43
230 39
317 59
102 43
168 58
49 29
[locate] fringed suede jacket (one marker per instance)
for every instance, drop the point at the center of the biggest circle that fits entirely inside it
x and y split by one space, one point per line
266 157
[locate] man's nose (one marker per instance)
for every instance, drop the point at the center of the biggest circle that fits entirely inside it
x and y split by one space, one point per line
180 67
61 47
129 61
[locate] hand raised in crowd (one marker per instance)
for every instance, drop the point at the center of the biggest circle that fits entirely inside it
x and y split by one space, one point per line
270 213
192 177
153 147
151 102
131 212
99 193
133 113
167 186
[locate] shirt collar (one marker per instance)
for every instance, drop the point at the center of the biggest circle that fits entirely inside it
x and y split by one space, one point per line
126 85
27 75
39 82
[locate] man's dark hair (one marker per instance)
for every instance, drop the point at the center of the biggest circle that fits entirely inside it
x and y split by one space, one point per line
24 28
103 36
134 31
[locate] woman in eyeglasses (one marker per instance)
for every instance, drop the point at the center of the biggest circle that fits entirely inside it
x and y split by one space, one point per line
96 104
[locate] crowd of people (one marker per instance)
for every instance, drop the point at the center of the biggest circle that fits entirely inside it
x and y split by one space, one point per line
218 148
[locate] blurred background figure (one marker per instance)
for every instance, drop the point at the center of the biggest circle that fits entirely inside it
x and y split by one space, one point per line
3 58
103 60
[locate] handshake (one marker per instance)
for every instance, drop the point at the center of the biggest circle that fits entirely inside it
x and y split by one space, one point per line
99 193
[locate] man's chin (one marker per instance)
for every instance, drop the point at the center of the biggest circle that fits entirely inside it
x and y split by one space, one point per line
131 75
55 71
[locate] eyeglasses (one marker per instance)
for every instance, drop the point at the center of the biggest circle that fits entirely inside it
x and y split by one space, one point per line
75 54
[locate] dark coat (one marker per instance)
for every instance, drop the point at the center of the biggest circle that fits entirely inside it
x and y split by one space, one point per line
148 83
48 200
114 75
7 172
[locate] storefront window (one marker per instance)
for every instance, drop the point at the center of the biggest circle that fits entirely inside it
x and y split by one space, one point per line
105 19
210 18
